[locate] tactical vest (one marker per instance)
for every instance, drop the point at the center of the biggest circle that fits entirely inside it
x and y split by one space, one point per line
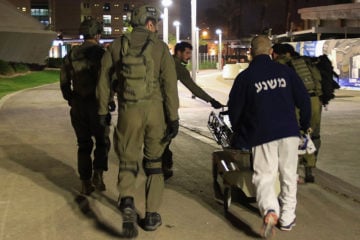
308 73
137 70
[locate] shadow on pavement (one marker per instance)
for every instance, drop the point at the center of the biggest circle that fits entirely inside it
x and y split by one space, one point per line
63 176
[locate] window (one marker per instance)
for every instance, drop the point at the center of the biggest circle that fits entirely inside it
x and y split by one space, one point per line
126 7
107 30
39 12
116 5
106 7
116 18
107 19
86 5
96 5
23 9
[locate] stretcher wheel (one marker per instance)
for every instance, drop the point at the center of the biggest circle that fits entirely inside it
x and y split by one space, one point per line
227 198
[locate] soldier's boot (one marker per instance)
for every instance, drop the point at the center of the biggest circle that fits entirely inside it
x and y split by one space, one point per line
98 180
129 216
87 187
309 177
152 221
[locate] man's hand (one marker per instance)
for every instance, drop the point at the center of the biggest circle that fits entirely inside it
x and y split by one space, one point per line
105 120
171 131
112 106
215 104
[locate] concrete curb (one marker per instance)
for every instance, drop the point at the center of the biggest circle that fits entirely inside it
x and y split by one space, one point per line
335 184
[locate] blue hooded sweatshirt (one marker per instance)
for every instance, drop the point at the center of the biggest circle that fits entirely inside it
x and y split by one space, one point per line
262 103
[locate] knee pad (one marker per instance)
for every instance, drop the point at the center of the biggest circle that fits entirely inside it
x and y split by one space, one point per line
152 166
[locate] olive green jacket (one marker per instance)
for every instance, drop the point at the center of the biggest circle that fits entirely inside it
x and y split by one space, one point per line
184 76
164 70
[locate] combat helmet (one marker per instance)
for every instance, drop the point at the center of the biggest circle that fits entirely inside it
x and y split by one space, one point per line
89 28
141 14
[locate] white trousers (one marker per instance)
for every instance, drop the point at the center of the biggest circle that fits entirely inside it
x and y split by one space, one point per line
269 159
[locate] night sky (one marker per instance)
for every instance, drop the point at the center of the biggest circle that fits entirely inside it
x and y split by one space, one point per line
254 18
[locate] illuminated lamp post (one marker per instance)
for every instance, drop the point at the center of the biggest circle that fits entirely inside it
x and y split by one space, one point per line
219 32
166 4
177 27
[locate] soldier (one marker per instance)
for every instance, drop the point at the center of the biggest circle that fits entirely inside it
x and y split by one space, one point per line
182 55
78 80
311 76
147 94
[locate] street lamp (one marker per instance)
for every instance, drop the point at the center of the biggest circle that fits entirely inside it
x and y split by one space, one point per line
219 32
177 27
193 38
166 4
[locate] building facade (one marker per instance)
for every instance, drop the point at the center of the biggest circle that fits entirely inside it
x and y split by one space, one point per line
65 16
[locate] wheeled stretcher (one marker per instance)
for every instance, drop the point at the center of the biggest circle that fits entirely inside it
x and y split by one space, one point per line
234 166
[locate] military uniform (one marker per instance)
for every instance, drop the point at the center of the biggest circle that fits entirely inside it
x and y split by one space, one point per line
78 80
184 76
141 124
309 160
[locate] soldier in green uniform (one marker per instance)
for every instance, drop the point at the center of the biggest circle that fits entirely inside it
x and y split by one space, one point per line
78 80
147 95
286 55
182 55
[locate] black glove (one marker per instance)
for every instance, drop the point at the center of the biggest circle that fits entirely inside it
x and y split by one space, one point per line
215 104
112 106
105 120
171 131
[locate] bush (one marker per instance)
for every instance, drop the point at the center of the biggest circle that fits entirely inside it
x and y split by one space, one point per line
54 62
6 69
20 67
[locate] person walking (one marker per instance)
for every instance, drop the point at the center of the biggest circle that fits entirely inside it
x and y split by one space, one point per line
78 79
261 106
147 95
311 76
182 55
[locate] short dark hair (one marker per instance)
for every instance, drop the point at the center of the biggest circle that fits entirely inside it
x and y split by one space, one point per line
181 46
278 48
290 49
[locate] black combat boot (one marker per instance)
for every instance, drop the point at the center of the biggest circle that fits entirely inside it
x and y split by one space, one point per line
87 188
152 221
129 216
98 181
309 177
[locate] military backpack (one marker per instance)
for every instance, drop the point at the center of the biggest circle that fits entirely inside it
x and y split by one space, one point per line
137 70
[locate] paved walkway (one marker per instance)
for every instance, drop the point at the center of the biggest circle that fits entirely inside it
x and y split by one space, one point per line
39 196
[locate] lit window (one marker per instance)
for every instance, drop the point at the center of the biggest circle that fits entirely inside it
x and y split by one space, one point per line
116 18
23 9
116 30
107 19
116 5
124 17
96 5
107 30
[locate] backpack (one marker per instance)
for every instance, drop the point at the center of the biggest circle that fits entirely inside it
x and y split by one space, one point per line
328 84
309 74
137 70
85 68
